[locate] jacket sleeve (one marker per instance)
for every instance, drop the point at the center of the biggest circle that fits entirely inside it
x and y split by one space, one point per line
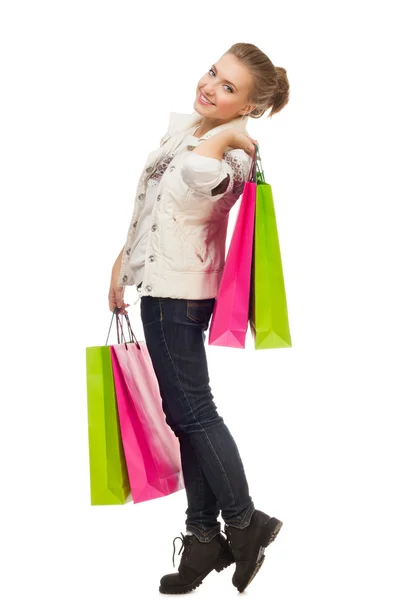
214 177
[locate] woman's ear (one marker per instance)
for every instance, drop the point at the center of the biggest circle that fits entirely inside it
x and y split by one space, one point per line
247 109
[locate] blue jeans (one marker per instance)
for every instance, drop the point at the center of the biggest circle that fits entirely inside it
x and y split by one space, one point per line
213 472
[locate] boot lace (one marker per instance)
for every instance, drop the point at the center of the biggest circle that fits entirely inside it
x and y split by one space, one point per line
186 541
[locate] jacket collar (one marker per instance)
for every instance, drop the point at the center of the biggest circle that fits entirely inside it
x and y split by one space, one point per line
180 122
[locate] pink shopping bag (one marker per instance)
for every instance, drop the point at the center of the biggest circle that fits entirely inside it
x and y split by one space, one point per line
152 450
231 309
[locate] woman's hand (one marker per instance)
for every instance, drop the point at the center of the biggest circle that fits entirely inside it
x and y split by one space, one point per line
116 297
243 141
116 293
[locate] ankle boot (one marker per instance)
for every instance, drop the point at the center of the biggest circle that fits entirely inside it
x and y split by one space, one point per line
248 546
197 561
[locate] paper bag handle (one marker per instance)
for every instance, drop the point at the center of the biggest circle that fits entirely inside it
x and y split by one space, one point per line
120 325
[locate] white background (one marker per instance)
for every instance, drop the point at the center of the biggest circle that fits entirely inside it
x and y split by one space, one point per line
87 88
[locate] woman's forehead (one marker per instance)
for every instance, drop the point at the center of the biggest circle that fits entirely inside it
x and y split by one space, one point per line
232 70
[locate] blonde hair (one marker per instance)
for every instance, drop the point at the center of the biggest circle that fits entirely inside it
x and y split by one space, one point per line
271 85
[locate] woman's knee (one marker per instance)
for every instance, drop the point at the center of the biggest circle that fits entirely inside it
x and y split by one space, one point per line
196 418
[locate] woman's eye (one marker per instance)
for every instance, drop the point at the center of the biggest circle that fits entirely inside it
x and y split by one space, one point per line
227 86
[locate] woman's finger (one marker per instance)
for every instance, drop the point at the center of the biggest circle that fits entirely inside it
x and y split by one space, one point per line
122 310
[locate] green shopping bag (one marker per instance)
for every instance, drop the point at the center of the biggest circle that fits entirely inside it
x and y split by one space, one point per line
268 316
109 483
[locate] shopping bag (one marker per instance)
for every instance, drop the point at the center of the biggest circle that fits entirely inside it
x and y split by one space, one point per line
109 483
230 317
151 448
268 314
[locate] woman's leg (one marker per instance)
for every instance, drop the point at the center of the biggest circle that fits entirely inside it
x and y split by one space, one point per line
175 334
202 511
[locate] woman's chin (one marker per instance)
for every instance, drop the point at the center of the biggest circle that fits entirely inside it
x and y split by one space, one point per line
199 108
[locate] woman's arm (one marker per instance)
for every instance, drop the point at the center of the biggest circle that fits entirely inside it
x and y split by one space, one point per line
213 171
117 264
215 146
116 292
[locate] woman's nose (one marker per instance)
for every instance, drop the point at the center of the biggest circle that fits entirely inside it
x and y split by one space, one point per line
209 91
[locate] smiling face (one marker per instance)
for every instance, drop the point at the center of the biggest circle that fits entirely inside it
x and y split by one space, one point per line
227 86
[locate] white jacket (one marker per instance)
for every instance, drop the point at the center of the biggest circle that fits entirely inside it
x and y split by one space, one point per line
185 254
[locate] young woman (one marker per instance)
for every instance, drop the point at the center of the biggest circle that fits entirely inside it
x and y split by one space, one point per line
174 255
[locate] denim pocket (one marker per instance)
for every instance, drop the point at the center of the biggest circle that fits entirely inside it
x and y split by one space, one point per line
200 311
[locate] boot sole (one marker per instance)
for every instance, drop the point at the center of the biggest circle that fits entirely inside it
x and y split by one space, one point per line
219 566
268 533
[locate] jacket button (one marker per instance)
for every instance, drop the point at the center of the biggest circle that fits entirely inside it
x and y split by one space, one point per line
125 278
152 258
191 147
128 251
154 228
149 169
148 288
158 197
135 223
141 196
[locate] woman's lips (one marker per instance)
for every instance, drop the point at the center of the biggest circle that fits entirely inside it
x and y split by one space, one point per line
203 102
